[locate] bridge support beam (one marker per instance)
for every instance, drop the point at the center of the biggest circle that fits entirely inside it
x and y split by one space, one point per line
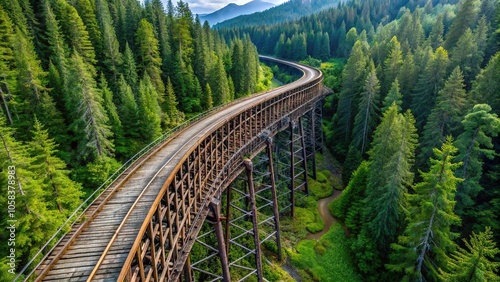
276 213
221 243
310 140
318 128
292 170
188 272
258 258
304 155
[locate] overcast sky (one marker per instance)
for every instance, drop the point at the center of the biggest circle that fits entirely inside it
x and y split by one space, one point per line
208 6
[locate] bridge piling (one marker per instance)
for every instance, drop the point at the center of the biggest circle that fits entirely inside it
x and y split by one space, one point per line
292 170
258 258
304 155
276 213
221 243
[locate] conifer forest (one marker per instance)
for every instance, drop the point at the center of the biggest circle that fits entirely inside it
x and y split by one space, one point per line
412 129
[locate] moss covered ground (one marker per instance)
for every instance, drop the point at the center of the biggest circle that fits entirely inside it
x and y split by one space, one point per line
327 259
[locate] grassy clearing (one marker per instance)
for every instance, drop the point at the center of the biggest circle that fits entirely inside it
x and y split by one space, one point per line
325 260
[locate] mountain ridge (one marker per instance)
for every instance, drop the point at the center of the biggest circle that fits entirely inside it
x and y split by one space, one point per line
288 11
233 10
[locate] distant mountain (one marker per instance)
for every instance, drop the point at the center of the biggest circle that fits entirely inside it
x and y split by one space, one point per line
233 10
288 11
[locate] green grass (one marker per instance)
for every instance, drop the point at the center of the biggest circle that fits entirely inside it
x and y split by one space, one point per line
325 260
320 188
307 215
274 272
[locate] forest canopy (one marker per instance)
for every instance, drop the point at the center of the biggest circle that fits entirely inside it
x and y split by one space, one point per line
85 84
414 121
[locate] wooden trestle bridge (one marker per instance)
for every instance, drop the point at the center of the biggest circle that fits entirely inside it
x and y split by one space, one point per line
179 196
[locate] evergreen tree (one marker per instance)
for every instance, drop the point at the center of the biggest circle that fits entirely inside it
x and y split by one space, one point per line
149 54
353 76
157 17
89 122
445 117
487 85
128 111
407 78
149 110
7 65
63 193
32 92
201 52
299 47
207 102
110 46
182 31
57 52
16 14
422 249
474 263
429 83
394 96
436 36
390 175
251 66
110 108
172 116
129 67
475 143
219 83
77 35
392 64
466 17
324 53
87 11
366 118
36 222
467 56
349 206
237 71
352 161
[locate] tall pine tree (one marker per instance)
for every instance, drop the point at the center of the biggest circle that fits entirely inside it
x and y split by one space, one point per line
422 249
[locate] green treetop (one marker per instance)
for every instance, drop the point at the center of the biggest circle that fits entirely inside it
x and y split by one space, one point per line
394 96
445 117
89 121
63 193
366 118
474 263
149 110
422 248
475 143
149 54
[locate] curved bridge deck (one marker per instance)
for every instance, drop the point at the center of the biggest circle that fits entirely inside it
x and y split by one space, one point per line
150 214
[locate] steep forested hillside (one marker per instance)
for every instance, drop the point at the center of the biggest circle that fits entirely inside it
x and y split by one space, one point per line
84 84
415 117
290 10
233 10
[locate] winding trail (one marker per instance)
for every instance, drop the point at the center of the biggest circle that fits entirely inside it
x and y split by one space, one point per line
328 219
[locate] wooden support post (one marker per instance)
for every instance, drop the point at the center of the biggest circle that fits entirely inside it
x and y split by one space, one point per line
275 198
223 255
188 273
313 145
258 258
228 216
304 155
292 171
